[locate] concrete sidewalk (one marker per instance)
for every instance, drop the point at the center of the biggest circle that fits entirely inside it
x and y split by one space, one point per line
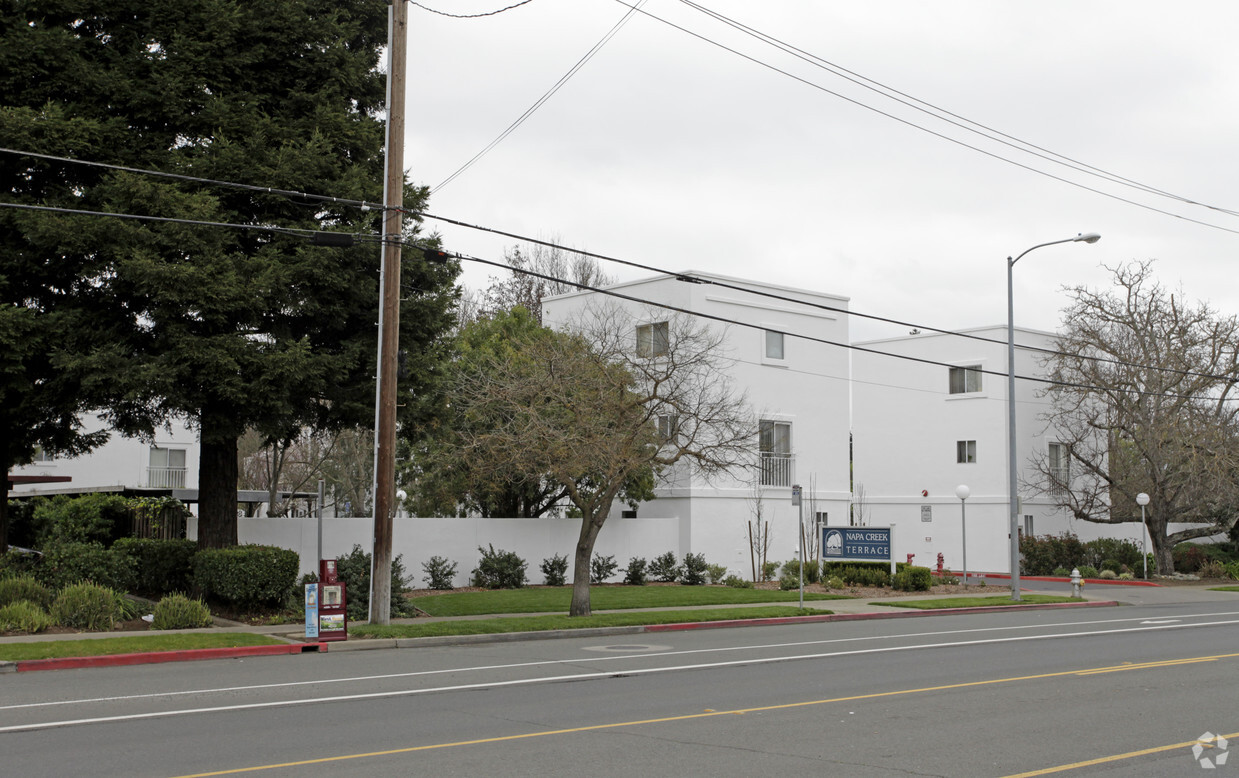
292 637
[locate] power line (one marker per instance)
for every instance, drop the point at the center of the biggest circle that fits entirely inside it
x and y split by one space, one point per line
469 16
914 125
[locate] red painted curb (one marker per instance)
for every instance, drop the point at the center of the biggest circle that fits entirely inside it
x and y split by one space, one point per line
900 614
157 657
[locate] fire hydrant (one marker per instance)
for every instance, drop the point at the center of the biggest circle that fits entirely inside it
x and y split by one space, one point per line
941 561
1076 582
910 556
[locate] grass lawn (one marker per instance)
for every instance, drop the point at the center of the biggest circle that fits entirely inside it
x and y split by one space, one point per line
558 598
543 623
1224 589
978 602
59 649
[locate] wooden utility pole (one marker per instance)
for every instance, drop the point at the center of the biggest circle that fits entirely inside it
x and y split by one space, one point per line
389 323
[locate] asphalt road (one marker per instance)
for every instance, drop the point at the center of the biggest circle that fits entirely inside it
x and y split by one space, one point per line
971 695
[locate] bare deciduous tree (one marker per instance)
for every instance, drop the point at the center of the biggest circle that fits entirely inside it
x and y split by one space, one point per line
561 266
582 408
1147 404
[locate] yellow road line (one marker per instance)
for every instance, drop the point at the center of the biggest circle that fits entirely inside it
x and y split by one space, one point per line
1115 758
763 709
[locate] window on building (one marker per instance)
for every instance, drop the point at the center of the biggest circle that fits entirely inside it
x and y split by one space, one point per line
965 379
167 468
1028 526
653 339
775 444
668 426
1060 464
965 451
42 456
774 345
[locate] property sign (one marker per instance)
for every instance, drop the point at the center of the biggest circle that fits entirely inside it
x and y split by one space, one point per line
927 513
856 544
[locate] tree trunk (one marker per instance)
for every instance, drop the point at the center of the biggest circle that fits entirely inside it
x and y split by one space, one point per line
590 527
217 485
1163 556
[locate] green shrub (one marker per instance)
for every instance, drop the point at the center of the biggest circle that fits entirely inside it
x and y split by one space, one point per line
913 579
736 582
1113 565
14 562
791 567
664 568
1108 575
353 570
23 616
694 570
21 521
555 570
24 587
789 582
162 566
65 564
601 568
634 574
1061 572
835 582
1088 571
92 518
499 569
1189 557
176 611
812 571
1043 553
1098 552
88 606
948 578
247 576
716 573
441 574
1126 577
1212 569
768 569
1232 570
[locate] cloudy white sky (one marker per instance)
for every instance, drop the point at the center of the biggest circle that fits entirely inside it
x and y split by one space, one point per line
668 150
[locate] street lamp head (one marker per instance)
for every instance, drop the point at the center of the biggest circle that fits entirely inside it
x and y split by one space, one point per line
962 492
1088 237
1142 499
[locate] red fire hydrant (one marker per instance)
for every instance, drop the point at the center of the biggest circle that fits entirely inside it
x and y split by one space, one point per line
910 556
941 559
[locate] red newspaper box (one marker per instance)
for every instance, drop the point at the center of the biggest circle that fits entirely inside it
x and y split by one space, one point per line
326 605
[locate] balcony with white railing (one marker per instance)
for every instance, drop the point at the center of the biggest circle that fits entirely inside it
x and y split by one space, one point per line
165 477
777 469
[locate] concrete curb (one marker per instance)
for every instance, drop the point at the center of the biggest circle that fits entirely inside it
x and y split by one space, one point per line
157 657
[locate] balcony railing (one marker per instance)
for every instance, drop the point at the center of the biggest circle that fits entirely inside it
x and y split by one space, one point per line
777 469
165 477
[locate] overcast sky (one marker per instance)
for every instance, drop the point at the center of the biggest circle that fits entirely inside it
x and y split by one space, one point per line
671 151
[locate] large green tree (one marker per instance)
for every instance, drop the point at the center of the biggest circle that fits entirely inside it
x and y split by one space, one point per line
231 328
1147 404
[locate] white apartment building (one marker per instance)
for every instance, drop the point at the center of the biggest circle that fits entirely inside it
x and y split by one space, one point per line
798 392
920 430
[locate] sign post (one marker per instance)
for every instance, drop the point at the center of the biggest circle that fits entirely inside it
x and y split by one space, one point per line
800 532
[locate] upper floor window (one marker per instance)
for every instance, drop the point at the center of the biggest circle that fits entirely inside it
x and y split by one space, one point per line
774 345
653 339
668 426
167 468
965 379
775 444
1059 460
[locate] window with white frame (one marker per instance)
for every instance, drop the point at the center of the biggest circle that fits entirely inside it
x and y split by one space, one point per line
774 345
1059 462
167 468
653 339
965 451
775 445
965 379
668 426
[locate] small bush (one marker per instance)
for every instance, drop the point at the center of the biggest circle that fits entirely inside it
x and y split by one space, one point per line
1108 575
1061 572
948 578
913 579
1088 571
87 606
1126 577
792 567
353 570
92 518
23 616
835 582
1112 565
555 570
664 568
634 574
1232 570
789 582
247 575
162 566
768 569
176 611
601 568
65 564
716 573
441 574
1212 569
812 571
736 582
694 570
24 587
499 569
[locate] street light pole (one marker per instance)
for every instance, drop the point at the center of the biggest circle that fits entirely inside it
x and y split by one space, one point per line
1142 500
1012 487
962 492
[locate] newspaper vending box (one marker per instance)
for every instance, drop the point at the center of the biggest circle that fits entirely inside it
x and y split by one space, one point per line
326 615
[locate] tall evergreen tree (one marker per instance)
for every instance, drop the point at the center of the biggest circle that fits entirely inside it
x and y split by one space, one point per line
231 328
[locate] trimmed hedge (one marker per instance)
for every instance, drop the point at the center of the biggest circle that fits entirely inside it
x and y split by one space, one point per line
246 575
163 566
65 564
913 579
